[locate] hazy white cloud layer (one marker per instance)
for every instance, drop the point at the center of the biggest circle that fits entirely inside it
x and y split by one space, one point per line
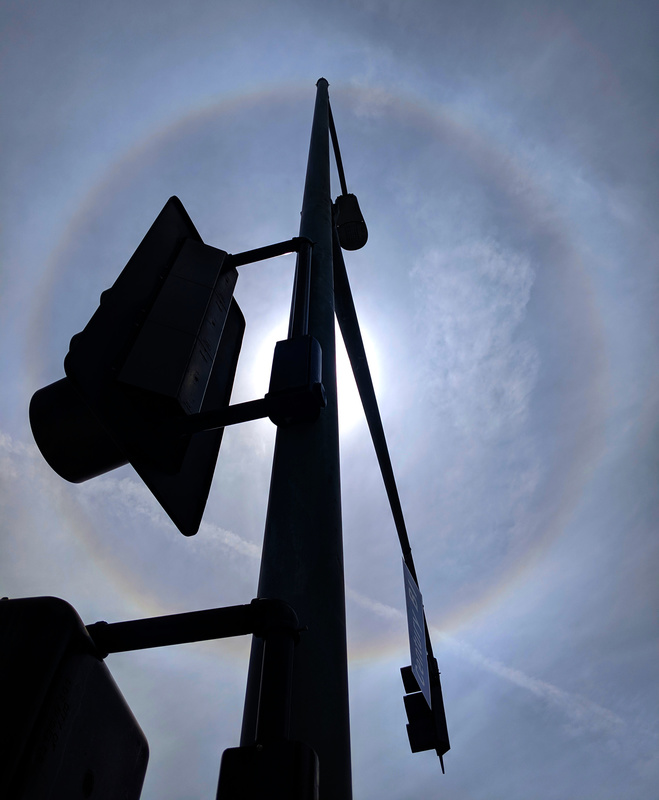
474 298
505 157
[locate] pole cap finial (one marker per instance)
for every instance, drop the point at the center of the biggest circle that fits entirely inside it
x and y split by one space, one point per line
324 80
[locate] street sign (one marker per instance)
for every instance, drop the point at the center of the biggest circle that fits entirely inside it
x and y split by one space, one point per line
416 628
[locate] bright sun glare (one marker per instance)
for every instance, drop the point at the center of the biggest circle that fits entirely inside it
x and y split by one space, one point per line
350 406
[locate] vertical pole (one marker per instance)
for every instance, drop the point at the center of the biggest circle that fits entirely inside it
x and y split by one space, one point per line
302 561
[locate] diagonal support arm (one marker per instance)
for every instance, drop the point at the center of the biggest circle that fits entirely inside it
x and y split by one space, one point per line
349 325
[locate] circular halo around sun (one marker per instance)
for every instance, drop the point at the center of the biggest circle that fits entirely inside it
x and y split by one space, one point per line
118 209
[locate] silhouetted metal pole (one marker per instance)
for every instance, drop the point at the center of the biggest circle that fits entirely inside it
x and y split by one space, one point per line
302 561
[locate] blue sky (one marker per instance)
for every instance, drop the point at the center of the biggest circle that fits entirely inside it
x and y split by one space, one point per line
505 157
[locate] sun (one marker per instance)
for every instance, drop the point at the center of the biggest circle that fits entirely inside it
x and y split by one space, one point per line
351 412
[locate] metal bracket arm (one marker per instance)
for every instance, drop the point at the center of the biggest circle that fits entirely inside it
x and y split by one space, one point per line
294 245
231 415
260 617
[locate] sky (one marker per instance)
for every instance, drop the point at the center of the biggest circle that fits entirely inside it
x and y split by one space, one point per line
505 159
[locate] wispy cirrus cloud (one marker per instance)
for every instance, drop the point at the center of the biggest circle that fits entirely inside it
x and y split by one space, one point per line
21 462
473 298
583 714
136 499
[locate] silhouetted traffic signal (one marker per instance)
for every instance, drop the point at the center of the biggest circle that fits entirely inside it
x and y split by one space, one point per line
66 729
426 727
162 345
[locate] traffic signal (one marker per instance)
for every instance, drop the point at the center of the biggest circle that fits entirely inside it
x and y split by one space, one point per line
426 729
66 729
163 345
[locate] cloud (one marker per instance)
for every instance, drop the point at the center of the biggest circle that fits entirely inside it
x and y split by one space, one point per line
380 609
229 540
126 494
136 499
473 299
20 462
15 456
583 714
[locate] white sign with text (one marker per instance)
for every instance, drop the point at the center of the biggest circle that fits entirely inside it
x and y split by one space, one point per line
416 627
